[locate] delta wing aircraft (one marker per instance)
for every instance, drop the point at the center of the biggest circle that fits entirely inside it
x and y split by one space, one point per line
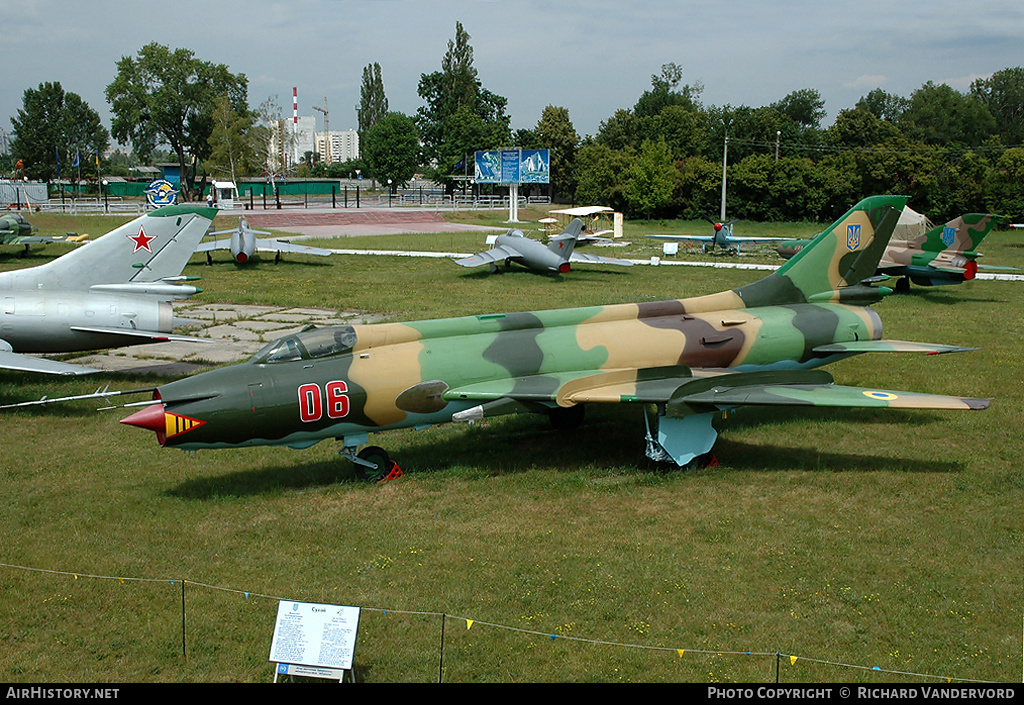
683 360
112 292
926 255
722 238
243 244
554 258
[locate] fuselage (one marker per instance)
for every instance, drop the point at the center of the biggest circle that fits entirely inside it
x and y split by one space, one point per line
338 381
536 255
40 321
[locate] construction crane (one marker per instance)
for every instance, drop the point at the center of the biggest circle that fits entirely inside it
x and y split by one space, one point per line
327 132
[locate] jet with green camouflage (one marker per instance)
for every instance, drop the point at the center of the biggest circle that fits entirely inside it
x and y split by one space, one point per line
683 361
16 230
926 255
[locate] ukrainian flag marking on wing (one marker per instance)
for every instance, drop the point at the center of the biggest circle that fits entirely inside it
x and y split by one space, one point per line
178 424
882 396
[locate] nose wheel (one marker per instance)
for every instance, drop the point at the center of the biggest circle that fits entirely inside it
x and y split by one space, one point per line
373 464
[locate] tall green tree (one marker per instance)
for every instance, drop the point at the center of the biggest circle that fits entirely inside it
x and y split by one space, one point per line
600 174
459 116
392 149
650 179
373 102
940 115
805 107
666 90
884 106
54 124
1003 94
556 133
169 97
237 142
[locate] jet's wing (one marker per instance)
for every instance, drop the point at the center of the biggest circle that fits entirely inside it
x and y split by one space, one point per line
497 254
134 335
903 346
36 239
213 245
596 259
733 238
286 246
685 238
27 363
726 395
684 392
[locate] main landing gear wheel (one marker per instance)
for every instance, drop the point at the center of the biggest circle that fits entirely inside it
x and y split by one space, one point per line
377 456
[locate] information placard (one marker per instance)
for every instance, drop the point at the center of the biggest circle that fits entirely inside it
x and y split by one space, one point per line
309 634
513 166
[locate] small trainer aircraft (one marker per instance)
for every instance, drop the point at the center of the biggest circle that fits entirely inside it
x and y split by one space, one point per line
111 292
926 255
243 243
684 361
722 238
554 258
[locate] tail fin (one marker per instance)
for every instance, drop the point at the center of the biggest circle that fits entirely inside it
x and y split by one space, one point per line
563 244
959 235
831 267
151 248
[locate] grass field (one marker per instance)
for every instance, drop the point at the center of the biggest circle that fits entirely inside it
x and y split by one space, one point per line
852 541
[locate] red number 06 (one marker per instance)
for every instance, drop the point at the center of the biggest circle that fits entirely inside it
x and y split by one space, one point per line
312 402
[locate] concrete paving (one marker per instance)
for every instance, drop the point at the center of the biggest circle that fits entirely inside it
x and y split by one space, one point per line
225 334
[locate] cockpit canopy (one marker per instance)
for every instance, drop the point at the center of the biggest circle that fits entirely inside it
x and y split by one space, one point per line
309 344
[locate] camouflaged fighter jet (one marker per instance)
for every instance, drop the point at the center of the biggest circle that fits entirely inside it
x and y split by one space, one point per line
243 244
926 255
112 292
683 360
554 258
15 230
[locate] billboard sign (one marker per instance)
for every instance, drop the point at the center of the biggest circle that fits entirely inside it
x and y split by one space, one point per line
513 166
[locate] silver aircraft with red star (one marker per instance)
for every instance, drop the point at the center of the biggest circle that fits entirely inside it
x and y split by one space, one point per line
112 292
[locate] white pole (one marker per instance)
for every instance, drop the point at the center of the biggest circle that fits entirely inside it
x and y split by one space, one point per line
725 160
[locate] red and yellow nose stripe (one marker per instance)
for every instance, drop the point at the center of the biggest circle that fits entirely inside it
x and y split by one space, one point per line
167 425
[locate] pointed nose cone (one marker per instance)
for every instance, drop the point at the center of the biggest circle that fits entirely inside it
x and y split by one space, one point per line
152 418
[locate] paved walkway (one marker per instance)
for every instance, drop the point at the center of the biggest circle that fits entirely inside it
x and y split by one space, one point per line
234 333
350 222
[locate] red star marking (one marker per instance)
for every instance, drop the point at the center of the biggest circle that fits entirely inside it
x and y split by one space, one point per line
141 241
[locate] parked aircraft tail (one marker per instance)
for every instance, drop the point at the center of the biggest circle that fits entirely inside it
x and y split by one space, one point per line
151 248
564 243
833 265
959 235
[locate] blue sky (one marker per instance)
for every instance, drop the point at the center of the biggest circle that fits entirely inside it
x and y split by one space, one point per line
592 57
